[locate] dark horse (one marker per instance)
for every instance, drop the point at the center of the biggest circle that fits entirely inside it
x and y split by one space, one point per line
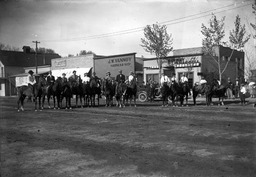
218 91
95 89
109 91
77 90
204 89
165 93
131 91
67 94
180 90
54 90
119 94
28 91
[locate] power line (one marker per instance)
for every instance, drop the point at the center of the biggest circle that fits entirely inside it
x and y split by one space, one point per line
138 29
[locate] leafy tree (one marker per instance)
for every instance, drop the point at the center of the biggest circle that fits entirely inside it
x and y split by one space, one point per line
157 41
45 50
8 47
213 37
237 36
84 52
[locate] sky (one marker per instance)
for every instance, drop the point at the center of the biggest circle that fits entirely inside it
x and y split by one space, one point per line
112 27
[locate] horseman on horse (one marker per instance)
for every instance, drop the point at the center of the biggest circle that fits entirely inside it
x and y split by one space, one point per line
164 88
31 82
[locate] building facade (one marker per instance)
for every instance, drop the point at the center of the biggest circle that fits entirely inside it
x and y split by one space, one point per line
15 62
99 64
195 64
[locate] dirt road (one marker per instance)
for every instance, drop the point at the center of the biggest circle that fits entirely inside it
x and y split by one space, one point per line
148 140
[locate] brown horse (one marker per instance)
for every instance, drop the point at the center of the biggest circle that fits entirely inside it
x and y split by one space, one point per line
119 94
54 91
28 91
131 92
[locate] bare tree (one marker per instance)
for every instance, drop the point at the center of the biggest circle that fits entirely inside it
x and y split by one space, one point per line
157 41
213 36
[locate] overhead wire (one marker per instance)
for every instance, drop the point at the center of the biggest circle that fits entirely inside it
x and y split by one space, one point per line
139 29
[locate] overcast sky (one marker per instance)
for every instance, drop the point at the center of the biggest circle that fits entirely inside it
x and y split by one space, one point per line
110 27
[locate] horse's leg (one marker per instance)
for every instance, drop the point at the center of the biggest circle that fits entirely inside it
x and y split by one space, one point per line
194 97
134 99
35 103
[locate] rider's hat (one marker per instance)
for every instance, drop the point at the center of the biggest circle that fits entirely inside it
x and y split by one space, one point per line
108 72
30 72
131 72
74 71
63 74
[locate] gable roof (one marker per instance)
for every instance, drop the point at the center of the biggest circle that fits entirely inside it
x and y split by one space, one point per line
21 59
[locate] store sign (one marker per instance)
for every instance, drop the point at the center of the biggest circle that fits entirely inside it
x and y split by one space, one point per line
119 62
126 63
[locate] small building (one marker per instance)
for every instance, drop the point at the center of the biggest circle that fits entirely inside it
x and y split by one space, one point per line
14 63
99 64
194 63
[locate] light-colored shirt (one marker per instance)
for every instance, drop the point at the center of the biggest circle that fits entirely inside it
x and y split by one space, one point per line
86 79
183 79
164 79
243 90
31 79
130 78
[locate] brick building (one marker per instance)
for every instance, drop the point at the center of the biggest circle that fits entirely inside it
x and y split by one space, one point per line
195 64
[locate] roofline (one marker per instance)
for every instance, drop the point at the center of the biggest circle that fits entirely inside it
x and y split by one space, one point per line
110 56
176 56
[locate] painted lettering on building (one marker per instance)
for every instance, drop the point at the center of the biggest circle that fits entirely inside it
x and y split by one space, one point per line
59 64
117 62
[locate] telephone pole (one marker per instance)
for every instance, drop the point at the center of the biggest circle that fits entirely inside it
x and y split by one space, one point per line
36 55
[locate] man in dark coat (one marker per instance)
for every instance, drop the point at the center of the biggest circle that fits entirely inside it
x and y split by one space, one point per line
50 79
120 77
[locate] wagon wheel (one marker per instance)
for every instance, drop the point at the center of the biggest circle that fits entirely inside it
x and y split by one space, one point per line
143 96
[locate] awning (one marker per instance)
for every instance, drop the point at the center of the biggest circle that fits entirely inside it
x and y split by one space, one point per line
69 72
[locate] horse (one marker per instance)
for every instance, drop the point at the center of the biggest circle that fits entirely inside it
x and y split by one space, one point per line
218 91
87 93
109 91
119 94
77 90
180 90
204 89
95 87
54 90
28 91
67 94
131 91
165 93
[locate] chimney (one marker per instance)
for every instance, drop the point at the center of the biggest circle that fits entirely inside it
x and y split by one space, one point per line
26 49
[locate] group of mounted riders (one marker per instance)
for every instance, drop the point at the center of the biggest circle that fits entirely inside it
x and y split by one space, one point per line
173 90
86 87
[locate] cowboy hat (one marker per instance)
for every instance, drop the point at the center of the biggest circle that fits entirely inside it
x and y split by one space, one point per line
63 74
74 71
30 72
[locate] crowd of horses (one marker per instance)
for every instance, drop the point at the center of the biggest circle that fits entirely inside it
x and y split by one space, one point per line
88 94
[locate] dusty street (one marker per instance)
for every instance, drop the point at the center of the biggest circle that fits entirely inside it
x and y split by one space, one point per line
148 140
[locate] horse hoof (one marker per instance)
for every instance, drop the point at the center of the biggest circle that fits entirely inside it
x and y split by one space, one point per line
18 110
49 107
66 108
70 108
35 110
135 106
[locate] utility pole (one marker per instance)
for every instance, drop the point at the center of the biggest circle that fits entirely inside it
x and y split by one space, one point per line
36 55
